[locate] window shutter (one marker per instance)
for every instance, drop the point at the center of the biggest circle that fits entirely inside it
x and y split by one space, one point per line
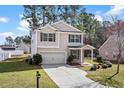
69 38
54 37
80 38
40 36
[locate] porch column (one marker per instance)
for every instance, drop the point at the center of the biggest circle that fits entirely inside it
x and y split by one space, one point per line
91 54
81 56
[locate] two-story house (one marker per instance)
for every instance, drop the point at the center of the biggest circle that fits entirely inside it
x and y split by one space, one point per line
57 41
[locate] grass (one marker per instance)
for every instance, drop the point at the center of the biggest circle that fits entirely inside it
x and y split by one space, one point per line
87 68
88 60
101 75
15 73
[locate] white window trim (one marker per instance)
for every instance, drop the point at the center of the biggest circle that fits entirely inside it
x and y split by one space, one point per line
75 38
76 54
57 35
48 37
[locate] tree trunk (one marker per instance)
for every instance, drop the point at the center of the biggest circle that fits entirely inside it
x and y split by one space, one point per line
118 66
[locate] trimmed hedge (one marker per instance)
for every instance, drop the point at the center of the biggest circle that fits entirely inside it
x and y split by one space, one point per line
108 63
37 59
104 66
70 59
93 68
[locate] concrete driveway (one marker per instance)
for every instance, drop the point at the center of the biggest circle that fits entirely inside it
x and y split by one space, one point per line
66 76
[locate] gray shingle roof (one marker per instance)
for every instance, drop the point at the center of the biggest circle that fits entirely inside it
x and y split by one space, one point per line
110 47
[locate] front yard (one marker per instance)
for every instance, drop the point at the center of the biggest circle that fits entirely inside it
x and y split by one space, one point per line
15 73
101 75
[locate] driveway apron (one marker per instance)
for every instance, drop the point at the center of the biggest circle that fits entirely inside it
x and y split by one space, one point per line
66 76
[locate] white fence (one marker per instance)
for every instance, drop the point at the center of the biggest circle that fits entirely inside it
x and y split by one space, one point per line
15 52
4 55
7 54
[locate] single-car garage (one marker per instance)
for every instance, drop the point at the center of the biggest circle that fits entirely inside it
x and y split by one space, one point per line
53 57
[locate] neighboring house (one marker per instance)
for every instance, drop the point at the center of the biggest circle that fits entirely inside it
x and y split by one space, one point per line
3 54
109 49
26 47
11 49
57 41
7 47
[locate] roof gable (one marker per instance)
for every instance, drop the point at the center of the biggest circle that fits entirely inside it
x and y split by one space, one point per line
60 26
111 43
64 27
24 44
48 26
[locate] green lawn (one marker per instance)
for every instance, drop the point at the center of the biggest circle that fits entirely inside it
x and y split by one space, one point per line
15 73
101 76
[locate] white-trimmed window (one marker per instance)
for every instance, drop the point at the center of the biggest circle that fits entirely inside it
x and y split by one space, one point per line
75 38
48 37
75 53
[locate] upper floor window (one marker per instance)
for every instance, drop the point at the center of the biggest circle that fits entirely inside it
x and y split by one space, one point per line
75 38
48 37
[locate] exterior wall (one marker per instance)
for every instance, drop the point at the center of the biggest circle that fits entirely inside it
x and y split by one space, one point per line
34 43
47 44
61 40
63 45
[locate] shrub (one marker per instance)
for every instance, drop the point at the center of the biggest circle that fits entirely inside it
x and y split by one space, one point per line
70 59
99 59
29 60
26 60
25 52
37 59
104 66
108 63
97 66
93 68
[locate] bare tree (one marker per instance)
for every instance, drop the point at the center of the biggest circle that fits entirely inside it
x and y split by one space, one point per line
117 28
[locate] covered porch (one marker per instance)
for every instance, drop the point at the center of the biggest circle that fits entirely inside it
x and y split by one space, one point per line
78 52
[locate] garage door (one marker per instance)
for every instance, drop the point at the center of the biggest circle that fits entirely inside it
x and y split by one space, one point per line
53 57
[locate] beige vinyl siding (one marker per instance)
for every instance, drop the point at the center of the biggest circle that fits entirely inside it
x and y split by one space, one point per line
47 43
63 45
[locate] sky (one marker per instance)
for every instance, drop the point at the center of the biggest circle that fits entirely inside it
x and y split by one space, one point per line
12 25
